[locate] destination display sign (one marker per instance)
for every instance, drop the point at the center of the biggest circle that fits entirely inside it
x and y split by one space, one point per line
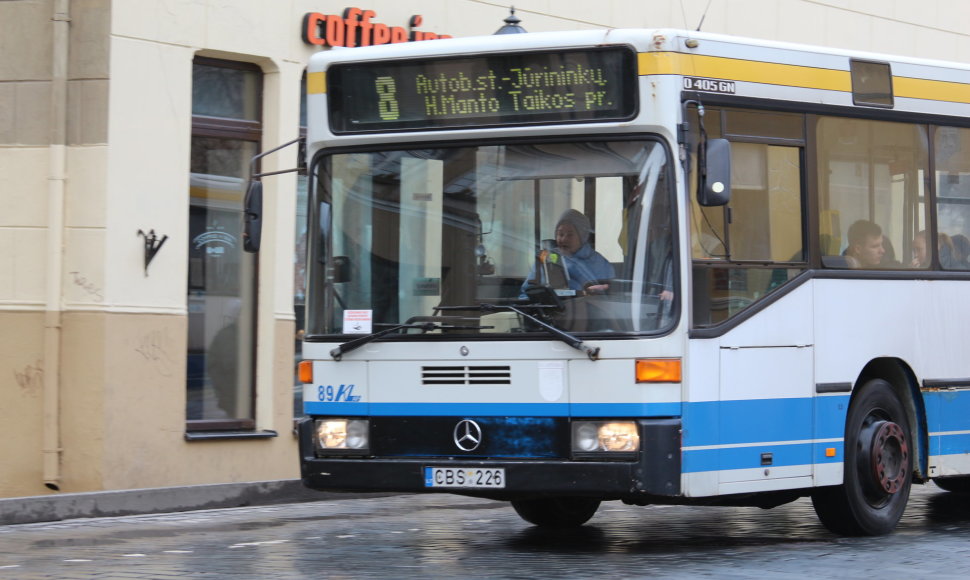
567 86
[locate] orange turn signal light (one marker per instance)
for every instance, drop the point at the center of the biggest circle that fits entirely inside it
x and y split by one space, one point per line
305 371
658 370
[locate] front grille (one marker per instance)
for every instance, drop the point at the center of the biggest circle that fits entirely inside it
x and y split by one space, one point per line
520 437
466 375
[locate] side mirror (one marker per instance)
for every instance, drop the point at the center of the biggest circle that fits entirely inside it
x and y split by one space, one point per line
714 173
253 216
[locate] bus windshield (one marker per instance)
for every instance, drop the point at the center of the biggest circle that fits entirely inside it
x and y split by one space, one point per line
581 232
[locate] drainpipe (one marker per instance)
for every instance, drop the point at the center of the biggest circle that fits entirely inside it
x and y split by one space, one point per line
56 178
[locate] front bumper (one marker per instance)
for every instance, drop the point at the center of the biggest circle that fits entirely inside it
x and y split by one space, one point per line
655 471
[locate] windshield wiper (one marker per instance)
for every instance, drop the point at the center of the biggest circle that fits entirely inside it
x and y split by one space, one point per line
356 343
573 341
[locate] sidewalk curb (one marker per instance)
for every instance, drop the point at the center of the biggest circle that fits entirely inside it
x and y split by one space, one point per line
48 508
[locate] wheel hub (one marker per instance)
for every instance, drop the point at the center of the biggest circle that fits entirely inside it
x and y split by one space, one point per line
889 457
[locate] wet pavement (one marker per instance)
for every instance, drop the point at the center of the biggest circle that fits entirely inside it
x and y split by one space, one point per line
445 536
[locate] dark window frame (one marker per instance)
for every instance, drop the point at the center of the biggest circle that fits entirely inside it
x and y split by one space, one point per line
724 266
816 270
242 130
300 322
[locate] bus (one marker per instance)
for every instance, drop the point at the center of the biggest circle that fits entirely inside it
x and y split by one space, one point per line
764 297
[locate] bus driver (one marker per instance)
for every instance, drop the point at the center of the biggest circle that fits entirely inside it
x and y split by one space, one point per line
585 266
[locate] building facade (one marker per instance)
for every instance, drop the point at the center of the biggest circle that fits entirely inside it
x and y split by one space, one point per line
139 345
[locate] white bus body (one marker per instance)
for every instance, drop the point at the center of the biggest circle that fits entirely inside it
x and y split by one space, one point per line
803 370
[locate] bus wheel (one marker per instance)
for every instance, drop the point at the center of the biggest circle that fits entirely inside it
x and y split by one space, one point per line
959 484
877 467
556 512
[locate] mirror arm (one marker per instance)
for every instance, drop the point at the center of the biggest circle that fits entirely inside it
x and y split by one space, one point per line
301 161
294 170
253 200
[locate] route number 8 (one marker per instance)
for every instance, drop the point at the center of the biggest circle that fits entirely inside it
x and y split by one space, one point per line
387 98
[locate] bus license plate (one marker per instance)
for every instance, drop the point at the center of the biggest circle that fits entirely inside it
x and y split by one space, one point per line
464 477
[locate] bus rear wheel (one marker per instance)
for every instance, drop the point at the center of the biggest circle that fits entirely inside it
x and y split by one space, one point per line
877 467
556 512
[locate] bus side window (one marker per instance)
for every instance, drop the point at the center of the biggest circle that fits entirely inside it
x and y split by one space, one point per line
761 233
755 244
873 173
952 147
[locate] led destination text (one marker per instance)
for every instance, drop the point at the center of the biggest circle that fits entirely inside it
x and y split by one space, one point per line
525 88
518 78
487 91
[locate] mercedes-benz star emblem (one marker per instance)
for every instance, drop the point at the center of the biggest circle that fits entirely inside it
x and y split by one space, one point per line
468 435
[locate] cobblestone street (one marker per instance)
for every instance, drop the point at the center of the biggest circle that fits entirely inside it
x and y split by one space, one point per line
449 536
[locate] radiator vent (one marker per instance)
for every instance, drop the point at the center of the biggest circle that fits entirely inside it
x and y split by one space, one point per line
466 375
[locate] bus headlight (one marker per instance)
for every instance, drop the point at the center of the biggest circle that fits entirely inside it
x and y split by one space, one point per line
605 436
342 434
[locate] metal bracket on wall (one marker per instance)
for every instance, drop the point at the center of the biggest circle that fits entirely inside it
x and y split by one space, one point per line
152 245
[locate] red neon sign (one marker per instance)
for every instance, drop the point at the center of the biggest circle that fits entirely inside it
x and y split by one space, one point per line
357 28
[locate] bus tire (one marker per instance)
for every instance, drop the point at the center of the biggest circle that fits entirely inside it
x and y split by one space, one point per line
877 467
958 484
556 512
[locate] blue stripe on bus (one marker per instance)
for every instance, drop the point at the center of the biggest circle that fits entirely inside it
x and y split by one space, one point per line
955 444
947 410
462 409
705 423
696 460
773 420
341 408
756 426
830 415
625 409
495 409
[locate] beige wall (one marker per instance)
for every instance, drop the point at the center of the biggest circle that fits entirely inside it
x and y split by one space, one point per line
119 375
49 168
21 385
123 408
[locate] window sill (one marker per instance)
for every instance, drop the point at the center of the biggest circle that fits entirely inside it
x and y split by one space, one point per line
222 435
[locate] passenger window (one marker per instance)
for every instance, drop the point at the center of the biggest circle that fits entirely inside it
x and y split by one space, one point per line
765 203
872 201
746 250
952 156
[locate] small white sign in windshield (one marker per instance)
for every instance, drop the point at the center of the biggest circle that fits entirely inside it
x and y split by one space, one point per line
358 321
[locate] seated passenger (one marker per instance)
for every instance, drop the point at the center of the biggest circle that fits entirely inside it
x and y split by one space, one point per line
584 267
961 251
866 248
921 254
889 260
947 252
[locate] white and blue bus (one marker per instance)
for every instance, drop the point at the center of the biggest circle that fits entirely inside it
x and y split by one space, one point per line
766 297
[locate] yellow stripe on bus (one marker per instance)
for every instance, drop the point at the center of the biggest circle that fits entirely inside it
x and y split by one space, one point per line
715 67
316 83
731 69
931 90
